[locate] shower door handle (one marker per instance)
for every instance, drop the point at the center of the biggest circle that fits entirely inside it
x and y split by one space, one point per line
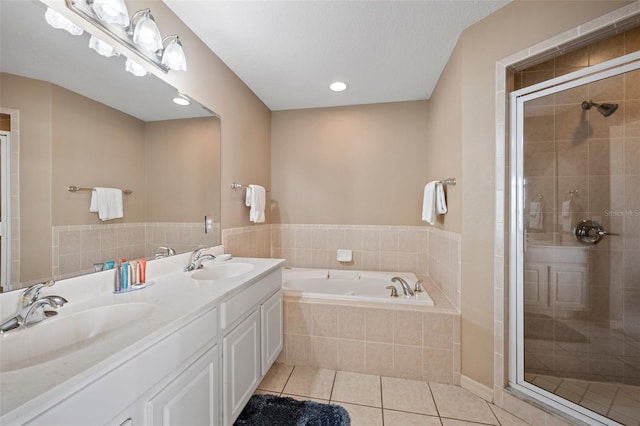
590 232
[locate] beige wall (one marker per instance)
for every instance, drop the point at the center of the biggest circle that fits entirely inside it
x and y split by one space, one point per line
246 121
94 145
361 165
33 99
182 159
509 30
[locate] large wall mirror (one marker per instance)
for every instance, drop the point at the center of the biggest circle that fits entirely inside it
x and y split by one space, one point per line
71 117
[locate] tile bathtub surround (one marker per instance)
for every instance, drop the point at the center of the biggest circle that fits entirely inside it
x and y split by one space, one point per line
416 343
77 248
374 400
422 250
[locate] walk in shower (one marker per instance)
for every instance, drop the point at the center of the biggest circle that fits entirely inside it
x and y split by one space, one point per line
576 231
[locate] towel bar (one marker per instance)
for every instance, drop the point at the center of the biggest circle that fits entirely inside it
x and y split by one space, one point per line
449 181
77 188
236 185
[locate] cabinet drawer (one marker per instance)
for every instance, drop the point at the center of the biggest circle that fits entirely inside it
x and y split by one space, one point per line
240 304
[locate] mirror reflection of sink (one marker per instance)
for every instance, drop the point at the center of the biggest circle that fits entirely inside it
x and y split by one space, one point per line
221 271
59 336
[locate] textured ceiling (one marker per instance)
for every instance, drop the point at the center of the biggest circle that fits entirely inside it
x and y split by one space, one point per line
288 52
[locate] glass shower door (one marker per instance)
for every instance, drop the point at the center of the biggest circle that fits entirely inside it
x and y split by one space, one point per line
579 244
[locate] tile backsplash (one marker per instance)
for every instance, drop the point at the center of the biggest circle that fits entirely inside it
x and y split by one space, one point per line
77 248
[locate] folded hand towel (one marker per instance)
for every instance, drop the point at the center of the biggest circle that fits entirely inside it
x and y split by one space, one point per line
258 202
535 216
109 202
566 216
247 197
93 206
429 203
441 202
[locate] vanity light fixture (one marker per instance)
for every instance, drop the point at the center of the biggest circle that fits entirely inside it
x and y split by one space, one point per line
181 100
135 68
338 86
57 20
144 30
173 55
140 33
111 11
104 49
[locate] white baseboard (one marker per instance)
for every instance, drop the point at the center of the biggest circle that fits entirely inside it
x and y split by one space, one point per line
476 388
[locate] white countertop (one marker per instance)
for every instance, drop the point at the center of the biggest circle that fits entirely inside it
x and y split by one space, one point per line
176 300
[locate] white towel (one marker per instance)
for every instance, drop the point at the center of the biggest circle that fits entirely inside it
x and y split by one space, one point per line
429 203
247 197
441 202
258 202
535 215
107 202
566 216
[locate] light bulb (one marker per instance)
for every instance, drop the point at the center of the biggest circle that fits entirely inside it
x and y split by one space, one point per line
111 11
101 47
57 20
173 56
135 68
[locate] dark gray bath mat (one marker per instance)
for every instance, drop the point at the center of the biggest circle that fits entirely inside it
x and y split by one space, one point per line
271 410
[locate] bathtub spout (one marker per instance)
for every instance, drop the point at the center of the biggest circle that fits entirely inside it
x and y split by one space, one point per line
405 286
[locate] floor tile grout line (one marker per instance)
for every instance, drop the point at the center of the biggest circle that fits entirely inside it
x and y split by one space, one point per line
433 398
493 412
612 401
381 400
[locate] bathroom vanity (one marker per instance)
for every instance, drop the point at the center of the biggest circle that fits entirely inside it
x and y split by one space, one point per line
182 351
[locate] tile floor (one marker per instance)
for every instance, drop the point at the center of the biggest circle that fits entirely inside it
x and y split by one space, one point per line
618 402
385 401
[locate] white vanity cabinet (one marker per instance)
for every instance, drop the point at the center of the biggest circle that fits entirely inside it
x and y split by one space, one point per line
155 386
252 340
556 277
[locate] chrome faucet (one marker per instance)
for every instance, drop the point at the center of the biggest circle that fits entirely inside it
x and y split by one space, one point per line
168 251
405 286
32 308
197 258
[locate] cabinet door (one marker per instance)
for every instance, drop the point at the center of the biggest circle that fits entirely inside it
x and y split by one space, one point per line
536 285
192 398
271 316
241 359
568 283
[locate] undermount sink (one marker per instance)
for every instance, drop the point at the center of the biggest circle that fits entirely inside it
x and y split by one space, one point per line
221 271
59 336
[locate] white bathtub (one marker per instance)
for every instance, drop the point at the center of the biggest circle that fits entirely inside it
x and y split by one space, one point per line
354 286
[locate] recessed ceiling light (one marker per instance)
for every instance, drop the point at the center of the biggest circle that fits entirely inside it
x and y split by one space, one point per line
181 100
338 86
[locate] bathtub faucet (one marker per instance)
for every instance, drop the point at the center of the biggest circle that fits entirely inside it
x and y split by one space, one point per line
405 286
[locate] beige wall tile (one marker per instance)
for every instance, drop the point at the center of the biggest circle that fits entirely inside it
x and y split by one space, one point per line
408 328
407 361
437 365
299 349
351 355
299 318
379 325
351 323
325 352
379 358
438 331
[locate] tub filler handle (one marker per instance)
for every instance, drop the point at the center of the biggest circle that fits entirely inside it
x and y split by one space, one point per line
418 287
394 290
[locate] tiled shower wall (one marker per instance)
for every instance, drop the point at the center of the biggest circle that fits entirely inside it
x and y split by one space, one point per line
77 248
570 153
423 250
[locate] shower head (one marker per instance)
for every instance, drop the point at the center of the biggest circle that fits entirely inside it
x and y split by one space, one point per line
604 109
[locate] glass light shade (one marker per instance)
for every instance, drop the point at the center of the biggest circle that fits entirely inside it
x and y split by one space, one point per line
146 33
135 68
56 20
173 56
111 11
101 47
